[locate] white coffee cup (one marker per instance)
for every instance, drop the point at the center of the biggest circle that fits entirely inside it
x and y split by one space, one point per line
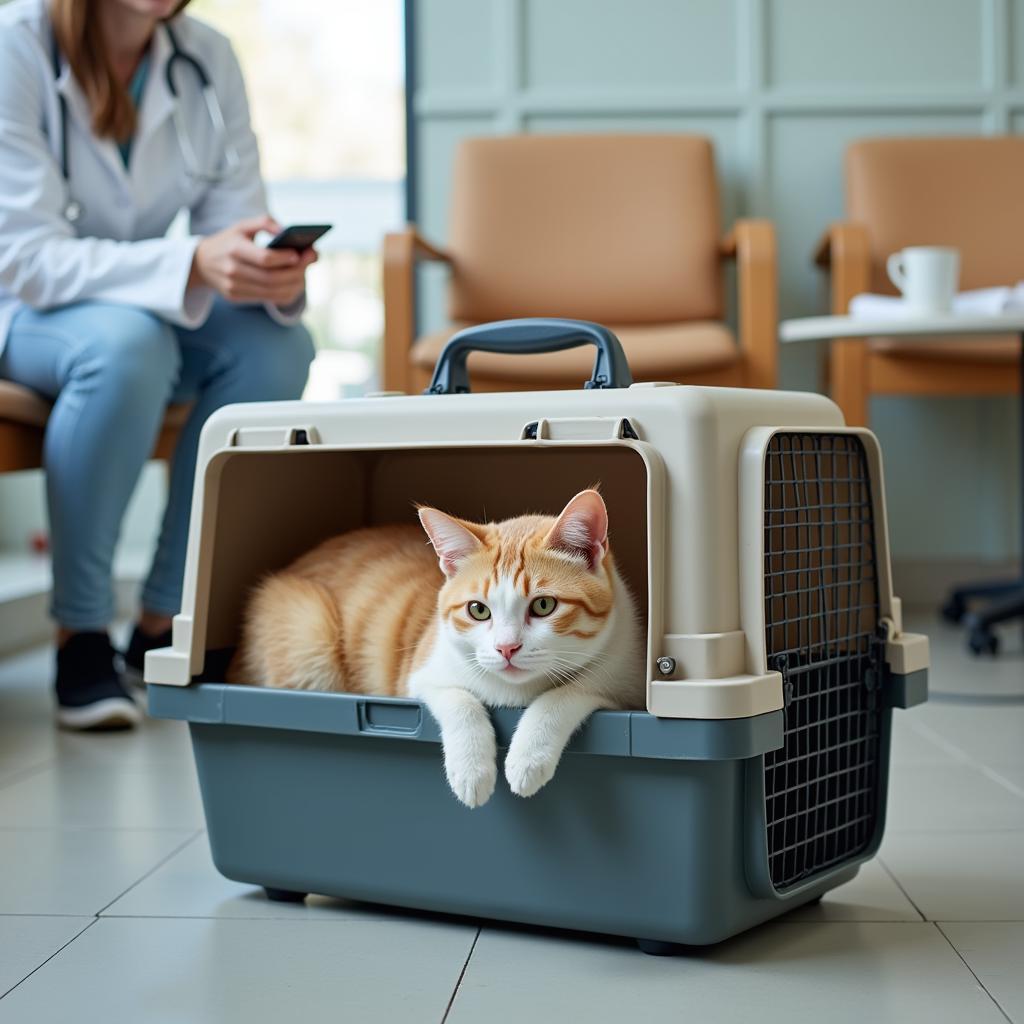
927 275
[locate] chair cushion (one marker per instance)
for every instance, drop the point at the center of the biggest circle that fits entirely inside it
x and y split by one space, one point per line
981 349
612 228
19 404
22 405
658 352
962 192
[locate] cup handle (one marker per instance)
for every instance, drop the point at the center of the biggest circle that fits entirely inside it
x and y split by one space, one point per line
894 268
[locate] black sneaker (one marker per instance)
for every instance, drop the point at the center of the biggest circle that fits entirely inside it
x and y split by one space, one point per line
134 659
90 694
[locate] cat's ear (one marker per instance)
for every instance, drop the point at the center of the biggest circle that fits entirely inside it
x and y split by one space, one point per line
452 539
582 529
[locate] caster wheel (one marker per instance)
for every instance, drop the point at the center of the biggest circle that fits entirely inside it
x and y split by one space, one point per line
954 610
284 895
655 947
983 641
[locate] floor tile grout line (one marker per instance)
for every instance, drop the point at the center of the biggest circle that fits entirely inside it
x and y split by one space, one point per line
156 867
1001 780
981 984
963 757
324 918
955 752
3 914
27 773
899 885
894 830
107 828
462 974
56 952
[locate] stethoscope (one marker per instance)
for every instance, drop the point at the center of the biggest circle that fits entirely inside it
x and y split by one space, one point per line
73 209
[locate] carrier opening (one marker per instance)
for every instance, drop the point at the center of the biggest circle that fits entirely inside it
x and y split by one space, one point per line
269 507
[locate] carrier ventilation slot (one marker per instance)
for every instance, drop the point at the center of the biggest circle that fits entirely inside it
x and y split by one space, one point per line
821 633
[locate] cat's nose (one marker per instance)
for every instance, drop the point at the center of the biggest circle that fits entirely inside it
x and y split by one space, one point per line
507 650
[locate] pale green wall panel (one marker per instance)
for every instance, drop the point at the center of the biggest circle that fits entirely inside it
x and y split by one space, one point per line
875 45
443 61
1016 36
644 44
951 475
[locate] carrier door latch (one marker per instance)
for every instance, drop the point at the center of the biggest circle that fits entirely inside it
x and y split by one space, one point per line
780 663
874 673
581 428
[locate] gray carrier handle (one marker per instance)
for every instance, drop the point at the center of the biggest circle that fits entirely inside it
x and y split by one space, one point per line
528 336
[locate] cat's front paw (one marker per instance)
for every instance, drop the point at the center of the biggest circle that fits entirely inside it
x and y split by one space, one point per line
528 770
472 783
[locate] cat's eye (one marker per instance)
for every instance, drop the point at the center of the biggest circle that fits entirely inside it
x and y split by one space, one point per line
478 610
541 606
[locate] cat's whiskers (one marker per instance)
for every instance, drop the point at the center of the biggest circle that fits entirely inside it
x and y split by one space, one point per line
591 665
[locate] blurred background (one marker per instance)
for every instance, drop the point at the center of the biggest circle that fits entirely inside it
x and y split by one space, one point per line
780 86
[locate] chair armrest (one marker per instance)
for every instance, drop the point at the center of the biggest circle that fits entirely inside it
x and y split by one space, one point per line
752 244
845 252
402 249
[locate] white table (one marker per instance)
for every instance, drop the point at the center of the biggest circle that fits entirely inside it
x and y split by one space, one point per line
1008 595
825 328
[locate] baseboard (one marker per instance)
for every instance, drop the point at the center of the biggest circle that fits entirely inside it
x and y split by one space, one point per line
925 583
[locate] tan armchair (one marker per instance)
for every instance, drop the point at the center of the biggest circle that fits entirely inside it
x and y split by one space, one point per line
23 416
619 229
964 193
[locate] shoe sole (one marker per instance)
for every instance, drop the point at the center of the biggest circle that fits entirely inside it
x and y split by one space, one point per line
111 713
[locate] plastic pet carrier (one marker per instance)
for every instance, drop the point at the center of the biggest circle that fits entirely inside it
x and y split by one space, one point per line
757 549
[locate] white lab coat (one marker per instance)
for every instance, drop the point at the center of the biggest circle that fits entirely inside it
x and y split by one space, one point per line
116 252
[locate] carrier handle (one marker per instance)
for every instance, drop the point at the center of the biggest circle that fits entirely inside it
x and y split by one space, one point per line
526 336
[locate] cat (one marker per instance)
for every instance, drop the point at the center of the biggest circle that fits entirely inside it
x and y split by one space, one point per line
529 612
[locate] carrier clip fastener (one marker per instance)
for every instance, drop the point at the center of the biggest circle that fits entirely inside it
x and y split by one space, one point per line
587 428
887 629
666 665
874 674
273 437
780 663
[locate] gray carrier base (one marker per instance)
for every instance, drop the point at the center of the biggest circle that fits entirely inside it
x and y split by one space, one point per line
652 828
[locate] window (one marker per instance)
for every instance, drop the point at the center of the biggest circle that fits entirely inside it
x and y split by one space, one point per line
326 91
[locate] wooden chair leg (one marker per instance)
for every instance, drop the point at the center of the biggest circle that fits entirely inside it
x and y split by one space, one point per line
848 380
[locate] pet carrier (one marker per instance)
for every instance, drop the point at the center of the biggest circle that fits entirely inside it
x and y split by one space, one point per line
751 528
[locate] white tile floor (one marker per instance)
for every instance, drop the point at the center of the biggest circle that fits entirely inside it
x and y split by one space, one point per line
111 911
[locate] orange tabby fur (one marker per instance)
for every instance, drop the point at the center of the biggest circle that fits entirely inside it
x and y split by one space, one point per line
354 614
362 604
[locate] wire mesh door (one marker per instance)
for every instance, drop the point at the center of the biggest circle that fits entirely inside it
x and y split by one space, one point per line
821 623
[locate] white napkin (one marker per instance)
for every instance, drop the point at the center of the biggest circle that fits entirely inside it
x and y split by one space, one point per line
979 302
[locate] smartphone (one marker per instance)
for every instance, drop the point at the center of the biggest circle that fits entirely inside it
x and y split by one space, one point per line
298 236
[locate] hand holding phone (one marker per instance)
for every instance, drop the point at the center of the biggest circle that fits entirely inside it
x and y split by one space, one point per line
298 236
235 264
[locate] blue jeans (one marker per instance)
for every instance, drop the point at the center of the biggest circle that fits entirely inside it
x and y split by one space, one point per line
111 371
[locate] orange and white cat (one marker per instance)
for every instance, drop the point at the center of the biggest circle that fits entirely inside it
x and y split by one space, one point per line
530 612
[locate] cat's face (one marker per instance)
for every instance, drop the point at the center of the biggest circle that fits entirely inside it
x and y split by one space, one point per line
528 599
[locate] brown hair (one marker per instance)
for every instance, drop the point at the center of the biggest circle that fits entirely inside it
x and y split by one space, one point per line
76 25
